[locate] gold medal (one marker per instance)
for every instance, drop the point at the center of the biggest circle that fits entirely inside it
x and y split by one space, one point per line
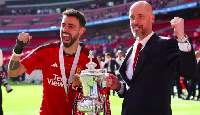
67 98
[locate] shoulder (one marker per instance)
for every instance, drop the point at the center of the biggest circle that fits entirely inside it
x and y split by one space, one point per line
48 46
167 40
164 38
85 51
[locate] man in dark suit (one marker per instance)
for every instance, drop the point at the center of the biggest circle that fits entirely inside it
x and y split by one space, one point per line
198 78
178 85
191 83
147 86
111 65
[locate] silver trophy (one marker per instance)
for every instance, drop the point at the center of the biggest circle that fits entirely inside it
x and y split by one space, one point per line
93 81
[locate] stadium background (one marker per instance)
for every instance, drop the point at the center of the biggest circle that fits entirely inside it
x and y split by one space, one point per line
107 22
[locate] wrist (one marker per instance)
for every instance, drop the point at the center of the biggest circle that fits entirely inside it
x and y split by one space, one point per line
15 54
18 50
183 40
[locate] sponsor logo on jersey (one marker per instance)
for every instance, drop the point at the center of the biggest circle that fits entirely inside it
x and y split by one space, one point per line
56 81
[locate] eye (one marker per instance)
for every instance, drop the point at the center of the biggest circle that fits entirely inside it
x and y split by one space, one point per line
141 16
132 17
71 26
63 25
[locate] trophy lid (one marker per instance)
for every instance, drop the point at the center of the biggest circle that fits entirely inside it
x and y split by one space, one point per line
91 65
91 68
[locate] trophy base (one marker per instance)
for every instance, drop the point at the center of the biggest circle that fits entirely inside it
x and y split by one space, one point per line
90 106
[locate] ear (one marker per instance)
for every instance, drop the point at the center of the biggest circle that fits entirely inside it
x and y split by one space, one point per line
153 18
81 31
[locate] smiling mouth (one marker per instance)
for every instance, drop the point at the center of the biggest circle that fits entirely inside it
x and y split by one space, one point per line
136 28
66 37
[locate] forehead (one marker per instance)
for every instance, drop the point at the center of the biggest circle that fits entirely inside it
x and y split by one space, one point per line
138 9
70 19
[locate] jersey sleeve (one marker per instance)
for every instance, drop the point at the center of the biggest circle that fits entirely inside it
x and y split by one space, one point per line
32 61
96 61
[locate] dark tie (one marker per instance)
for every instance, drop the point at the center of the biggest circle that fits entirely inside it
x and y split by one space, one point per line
139 46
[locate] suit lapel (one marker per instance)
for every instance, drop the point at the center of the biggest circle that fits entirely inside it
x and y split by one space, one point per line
123 67
143 53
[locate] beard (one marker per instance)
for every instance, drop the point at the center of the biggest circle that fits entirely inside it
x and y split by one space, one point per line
140 34
73 39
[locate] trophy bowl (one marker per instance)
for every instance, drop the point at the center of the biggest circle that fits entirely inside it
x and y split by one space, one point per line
93 81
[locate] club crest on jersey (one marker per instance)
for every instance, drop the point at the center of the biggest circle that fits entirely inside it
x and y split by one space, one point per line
54 65
79 68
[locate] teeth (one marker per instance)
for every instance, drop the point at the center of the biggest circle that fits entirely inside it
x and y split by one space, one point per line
66 35
136 27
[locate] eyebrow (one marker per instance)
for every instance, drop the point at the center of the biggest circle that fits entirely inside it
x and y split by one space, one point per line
68 24
137 14
71 24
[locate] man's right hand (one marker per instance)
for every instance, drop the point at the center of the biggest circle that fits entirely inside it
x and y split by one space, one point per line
22 40
113 82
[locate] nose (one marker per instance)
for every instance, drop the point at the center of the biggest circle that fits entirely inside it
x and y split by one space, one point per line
65 29
134 21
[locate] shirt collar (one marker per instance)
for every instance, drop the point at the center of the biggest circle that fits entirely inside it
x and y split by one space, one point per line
144 41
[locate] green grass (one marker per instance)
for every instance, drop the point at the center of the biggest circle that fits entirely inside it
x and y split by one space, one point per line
25 99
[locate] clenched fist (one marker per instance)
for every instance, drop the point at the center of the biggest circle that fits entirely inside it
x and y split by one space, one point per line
24 37
178 25
21 41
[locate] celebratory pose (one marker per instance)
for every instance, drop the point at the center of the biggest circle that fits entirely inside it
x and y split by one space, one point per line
150 64
58 61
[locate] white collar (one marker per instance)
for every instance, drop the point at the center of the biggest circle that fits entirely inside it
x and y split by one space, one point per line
144 41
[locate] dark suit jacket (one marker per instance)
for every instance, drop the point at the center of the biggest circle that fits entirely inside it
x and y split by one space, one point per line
113 63
198 78
149 90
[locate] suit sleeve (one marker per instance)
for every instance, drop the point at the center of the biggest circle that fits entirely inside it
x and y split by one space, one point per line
198 67
121 95
183 62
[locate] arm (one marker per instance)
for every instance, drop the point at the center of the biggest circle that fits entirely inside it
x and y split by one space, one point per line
187 57
113 83
15 68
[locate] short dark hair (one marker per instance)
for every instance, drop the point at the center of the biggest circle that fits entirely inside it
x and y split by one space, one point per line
79 15
107 54
98 57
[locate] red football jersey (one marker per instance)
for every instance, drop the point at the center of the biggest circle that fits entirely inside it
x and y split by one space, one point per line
46 58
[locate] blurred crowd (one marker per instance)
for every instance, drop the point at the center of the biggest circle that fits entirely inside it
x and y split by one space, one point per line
157 4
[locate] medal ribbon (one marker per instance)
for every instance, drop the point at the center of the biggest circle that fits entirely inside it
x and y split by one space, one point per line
62 67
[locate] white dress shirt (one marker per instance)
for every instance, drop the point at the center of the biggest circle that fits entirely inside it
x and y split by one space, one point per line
119 60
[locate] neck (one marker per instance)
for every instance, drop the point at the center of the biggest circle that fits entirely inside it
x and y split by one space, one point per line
141 38
72 49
